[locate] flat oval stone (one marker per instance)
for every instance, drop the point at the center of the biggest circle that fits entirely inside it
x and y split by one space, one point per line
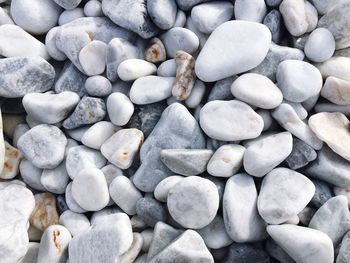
119 108
257 90
336 90
220 119
283 194
320 45
333 129
22 75
92 57
241 53
193 202
76 223
162 12
93 8
132 69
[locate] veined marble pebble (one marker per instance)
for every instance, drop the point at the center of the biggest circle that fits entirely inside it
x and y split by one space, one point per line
320 45
45 212
11 162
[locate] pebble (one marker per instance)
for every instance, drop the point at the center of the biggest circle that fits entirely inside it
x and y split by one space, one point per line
322 194
222 89
298 80
71 79
242 220
99 216
119 108
132 69
219 119
246 253
278 201
293 239
14 238
320 45
76 223
257 90
337 23
167 68
193 202
68 4
343 254
104 242
196 95
236 58
329 127
124 194
70 15
253 10
179 38
186 162
147 236
35 16
71 203
81 157
93 8
150 211
88 111
45 212
32 253
342 191
50 108
306 214
162 13
55 180
286 116
90 189
98 86
92 57
333 219
208 16
118 50
120 149
177 123
14 42
131 16
336 91
135 248
43 145
274 21
22 75
10 162
97 134
336 67
302 154
164 186
155 51
54 244
277 252
31 175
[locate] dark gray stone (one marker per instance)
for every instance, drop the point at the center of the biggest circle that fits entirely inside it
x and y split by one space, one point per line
88 111
162 12
222 90
277 252
273 3
150 211
301 155
246 253
322 194
22 75
344 251
273 20
12 106
61 204
71 79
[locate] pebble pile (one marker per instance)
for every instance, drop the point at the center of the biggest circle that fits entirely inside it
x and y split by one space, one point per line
174 131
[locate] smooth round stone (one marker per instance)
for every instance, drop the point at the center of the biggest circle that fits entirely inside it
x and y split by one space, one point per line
50 108
242 220
150 211
180 19
179 38
245 43
298 80
132 69
35 16
43 145
31 175
70 15
10 162
167 68
55 180
98 133
14 41
330 127
124 194
193 202
45 212
143 92
267 153
338 67
186 162
90 190
155 51
93 8
253 10
336 90
164 186
50 43
230 120
98 86
68 4
208 16
294 239
22 75
71 203
162 12
257 90
197 94
98 217
76 223
92 57
320 45
119 108
247 253
343 254
283 194
54 244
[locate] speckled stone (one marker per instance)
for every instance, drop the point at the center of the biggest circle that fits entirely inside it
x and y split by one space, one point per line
301 155
150 211
246 253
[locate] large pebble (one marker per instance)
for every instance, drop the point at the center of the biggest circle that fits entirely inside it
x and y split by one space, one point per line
193 202
242 220
320 45
294 239
50 108
253 10
186 161
220 119
333 129
162 12
336 90
241 53
283 194
119 108
43 145
92 57
45 212
266 153
22 75
257 90
298 80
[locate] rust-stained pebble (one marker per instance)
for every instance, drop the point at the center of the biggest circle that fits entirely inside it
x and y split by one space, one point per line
45 212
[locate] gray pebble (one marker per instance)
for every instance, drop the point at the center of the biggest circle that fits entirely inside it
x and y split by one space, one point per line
98 86
55 180
222 90
305 215
167 68
273 3
246 253
70 15
277 252
68 4
301 155
322 194
150 211
50 43
71 79
93 8
31 175
344 251
188 4
162 12
273 20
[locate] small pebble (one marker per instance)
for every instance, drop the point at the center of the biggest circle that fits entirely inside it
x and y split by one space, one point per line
76 223
320 45
132 69
97 134
93 8
150 211
164 186
119 108
253 10
98 86
155 51
45 212
162 13
92 58
301 155
336 90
